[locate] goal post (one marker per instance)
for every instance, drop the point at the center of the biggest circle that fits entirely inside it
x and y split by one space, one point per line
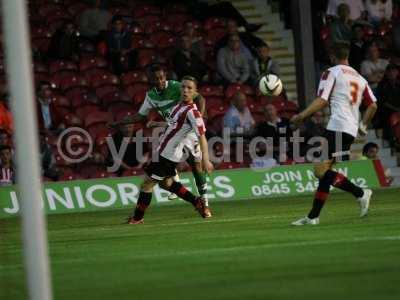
20 82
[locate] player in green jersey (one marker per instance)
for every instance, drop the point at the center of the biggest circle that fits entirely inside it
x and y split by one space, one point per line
163 97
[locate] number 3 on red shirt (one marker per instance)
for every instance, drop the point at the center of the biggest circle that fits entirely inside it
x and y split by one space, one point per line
354 92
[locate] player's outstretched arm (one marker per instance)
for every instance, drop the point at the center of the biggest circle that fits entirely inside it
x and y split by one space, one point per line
315 106
207 165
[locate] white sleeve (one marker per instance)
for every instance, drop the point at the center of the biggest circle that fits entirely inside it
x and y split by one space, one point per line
388 10
332 8
196 121
146 106
326 85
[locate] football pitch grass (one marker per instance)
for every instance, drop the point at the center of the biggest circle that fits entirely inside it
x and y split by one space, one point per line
247 250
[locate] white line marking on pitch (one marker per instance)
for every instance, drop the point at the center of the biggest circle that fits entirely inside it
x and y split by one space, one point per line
165 254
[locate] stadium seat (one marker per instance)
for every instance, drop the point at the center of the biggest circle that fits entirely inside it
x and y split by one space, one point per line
72 120
83 111
99 79
134 77
86 63
97 117
71 81
133 172
70 176
175 8
146 57
50 9
133 89
140 42
231 165
41 45
233 88
163 39
214 22
119 115
41 77
178 20
62 65
106 89
58 77
212 90
61 101
136 29
215 111
115 98
145 10
38 67
87 48
40 32
102 174
76 8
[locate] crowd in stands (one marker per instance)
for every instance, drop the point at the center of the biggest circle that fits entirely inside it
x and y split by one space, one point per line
90 61
371 27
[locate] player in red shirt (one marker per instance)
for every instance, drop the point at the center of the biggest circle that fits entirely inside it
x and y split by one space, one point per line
184 119
343 89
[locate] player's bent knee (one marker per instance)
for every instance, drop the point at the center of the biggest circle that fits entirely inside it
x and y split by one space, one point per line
147 185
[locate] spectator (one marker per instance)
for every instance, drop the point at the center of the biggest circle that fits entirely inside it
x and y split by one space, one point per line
129 160
357 8
48 116
49 169
232 65
7 176
313 127
341 28
373 68
197 41
119 47
187 62
65 43
357 47
274 127
370 151
248 42
264 64
388 93
6 120
379 10
238 118
4 138
93 22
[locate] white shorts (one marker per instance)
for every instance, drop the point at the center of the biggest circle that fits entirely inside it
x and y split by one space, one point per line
192 146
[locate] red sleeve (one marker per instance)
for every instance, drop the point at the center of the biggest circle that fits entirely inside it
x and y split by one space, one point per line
368 96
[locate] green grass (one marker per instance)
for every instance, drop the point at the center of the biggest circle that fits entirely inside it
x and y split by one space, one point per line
247 251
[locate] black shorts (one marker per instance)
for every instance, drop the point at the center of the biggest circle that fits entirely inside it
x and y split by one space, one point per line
161 169
339 144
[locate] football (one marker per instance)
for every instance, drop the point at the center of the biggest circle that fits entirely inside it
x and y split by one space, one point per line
270 85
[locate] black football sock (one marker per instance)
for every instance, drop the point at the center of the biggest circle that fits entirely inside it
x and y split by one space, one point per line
321 195
142 203
342 182
178 189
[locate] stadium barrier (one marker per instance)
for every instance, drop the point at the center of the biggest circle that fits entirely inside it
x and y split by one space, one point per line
235 184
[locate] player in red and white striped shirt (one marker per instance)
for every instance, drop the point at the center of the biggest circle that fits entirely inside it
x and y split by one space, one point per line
344 90
184 119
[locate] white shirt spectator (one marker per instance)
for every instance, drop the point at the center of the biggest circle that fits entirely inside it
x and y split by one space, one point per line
237 121
369 67
379 10
356 8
